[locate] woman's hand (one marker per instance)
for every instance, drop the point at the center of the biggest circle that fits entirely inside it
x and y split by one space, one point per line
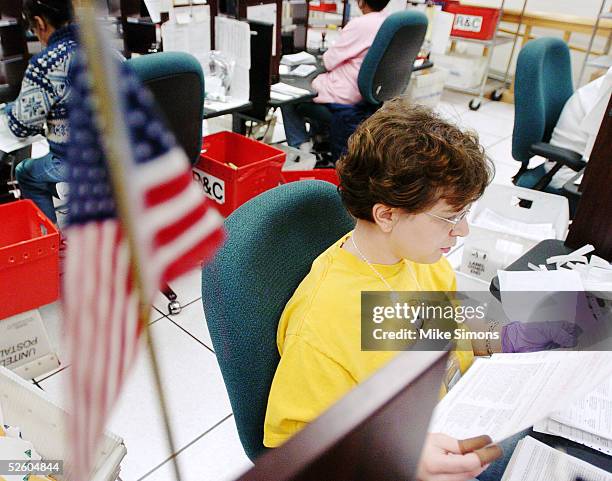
443 458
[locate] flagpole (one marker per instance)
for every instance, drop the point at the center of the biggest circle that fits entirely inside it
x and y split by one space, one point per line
109 125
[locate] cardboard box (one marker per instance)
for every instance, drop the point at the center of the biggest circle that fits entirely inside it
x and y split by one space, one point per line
25 346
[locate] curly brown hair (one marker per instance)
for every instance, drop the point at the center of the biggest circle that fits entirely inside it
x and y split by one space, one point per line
406 156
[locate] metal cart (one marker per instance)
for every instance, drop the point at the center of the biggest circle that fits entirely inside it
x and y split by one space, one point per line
603 61
489 46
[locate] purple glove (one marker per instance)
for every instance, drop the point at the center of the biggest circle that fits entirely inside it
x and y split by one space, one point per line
539 336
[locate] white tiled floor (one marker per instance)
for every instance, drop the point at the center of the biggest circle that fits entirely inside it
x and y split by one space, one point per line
207 443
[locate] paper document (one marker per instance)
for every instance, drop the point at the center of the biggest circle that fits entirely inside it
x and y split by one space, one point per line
240 87
303 70
229 104
508 393
593 413
188 32
300 58
233 38
536 296
10 143
493 221
280 97
550 281
550 426
578 180
440 31
533 460
290 90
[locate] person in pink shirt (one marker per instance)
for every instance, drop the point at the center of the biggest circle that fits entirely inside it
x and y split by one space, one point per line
338 85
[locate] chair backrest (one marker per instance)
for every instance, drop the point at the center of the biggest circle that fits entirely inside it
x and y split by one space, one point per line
386 68
272 241
542 86
176 81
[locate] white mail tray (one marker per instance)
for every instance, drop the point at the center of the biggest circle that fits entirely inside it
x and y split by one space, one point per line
42 423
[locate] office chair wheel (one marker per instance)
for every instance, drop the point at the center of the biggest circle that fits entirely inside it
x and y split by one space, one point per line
497 95
474 104
174 308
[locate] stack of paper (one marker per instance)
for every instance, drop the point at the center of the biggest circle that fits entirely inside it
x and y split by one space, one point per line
300 58
535 461
303 70
588 421
283 91
489 219
509 393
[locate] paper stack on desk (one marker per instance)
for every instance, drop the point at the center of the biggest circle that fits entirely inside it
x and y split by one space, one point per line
300 58
303 70
535 461
283 91
587 421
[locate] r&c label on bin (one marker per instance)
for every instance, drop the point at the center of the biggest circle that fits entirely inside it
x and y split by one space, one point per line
214 188
467 23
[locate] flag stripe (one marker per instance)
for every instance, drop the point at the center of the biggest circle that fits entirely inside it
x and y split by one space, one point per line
190 237
155 172
165 215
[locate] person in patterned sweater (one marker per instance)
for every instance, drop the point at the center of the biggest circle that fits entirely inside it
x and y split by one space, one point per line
41 107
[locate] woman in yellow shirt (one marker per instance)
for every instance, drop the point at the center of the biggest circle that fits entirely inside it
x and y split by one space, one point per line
408 178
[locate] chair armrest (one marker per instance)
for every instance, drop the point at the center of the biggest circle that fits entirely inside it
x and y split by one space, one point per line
566 157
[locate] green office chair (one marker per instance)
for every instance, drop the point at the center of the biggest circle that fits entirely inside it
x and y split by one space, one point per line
176 81
542 86
387 67
384 74
272 241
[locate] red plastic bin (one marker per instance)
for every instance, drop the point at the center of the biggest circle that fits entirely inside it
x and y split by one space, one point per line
328 175
233 169
323 7
29 258
473 22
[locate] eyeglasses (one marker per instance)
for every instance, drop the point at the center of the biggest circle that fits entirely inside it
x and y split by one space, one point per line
453 220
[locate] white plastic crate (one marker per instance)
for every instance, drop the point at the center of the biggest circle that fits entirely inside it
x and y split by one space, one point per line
42 423
464 71
487 250
426 86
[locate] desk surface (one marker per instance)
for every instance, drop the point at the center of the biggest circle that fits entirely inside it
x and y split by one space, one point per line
216 109
299 82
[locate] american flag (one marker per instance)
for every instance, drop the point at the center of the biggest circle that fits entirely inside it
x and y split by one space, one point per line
175 229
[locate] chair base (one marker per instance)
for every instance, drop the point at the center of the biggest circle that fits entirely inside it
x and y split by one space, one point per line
174 306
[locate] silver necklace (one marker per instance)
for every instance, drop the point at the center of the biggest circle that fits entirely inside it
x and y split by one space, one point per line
394 294
380 276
